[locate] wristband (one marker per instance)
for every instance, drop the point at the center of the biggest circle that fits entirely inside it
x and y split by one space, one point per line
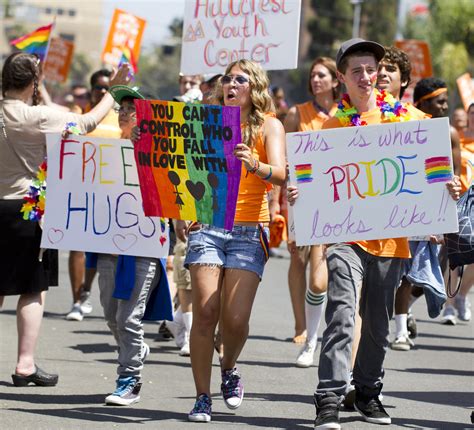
266 178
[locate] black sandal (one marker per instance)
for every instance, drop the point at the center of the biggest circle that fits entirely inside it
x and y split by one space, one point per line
40 377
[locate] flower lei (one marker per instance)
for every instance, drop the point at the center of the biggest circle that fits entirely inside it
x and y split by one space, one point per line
35 200
391 109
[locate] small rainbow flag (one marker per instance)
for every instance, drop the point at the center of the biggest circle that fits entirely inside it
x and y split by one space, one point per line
304 173
35 42
128 57
438 169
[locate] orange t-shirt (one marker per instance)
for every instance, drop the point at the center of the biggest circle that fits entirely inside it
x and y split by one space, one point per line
467 162
310 119
252 201
397 247
108 127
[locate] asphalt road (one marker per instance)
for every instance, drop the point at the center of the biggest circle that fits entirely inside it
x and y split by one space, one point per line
431 386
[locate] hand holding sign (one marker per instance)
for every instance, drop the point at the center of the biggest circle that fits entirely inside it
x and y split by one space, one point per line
244 154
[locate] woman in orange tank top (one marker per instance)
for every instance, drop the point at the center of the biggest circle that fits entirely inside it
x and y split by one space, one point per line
308 303
226 266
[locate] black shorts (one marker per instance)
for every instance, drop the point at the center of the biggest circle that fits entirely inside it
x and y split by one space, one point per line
22 272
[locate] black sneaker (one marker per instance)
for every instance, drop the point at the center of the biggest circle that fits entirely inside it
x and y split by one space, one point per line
371 409
411 326
327 412
164 334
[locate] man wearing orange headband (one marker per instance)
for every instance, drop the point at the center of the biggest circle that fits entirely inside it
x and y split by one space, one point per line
431 96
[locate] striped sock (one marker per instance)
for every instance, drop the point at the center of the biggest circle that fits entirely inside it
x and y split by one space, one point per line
313 311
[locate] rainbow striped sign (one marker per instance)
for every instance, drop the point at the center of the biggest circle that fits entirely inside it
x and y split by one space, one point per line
185 161
304 173
438 169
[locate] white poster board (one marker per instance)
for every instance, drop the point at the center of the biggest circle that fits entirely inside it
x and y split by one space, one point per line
93 200
217 32
372 182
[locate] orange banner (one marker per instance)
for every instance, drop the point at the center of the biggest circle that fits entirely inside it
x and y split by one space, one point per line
420 59
58 60
126 30
466 89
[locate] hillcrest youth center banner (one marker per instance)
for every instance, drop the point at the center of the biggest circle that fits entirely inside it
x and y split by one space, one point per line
93 200
373 182
217 32
185 161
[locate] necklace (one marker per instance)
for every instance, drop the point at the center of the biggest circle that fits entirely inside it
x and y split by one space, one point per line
392 110
318 107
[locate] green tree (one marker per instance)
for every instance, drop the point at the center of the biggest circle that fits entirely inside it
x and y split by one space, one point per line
449 30
331 25
451 23
80 70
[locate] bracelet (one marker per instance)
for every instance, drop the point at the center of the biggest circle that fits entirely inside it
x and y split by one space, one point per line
266 178
255 167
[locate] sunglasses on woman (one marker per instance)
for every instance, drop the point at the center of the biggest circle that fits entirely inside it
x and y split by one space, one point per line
239 79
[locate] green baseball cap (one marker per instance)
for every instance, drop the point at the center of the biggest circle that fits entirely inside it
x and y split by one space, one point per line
118 92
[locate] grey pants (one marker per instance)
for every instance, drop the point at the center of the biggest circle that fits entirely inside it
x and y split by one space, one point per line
349 267
124 317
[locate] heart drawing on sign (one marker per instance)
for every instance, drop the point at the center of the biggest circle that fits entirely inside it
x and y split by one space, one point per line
124 242
55 235
162 240
196 189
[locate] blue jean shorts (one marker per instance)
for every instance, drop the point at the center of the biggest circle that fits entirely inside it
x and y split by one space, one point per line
244 248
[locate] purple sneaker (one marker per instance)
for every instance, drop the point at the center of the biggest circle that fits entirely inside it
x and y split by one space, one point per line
202 410
232 388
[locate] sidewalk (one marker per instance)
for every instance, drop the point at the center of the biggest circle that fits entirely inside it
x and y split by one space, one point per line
431 386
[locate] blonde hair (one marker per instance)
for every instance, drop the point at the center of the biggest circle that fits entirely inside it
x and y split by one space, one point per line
262 102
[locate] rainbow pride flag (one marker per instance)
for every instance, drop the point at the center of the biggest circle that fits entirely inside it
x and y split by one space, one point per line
185 161
128 57
438 169
304 173
35 42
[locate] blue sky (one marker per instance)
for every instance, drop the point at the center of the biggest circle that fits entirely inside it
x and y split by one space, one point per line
158 14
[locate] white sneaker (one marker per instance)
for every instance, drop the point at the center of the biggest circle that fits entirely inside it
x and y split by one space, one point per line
145 352
463 306
402 343
449 315
178 331
185 351
75 314
306 355
86 304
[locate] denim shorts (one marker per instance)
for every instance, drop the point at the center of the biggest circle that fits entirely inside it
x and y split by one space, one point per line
244 248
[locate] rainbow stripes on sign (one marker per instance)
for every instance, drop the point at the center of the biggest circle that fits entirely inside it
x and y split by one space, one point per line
35 42
128 57
438 169
193 178
304 173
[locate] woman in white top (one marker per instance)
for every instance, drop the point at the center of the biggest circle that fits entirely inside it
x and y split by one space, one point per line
22 150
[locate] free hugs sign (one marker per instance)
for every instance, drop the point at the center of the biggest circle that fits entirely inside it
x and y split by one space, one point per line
93 200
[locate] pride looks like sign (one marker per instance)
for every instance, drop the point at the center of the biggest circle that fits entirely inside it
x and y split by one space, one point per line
374 182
